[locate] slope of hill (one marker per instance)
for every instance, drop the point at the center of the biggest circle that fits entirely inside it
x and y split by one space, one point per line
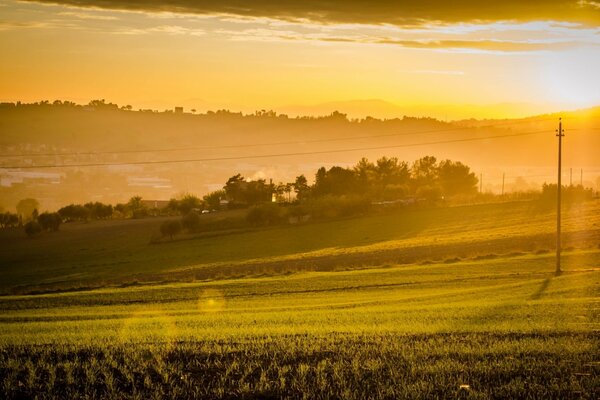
116 252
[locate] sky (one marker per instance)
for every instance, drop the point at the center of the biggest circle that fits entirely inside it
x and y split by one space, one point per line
433 57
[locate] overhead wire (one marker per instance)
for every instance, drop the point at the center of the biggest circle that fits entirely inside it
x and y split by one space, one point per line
273 155
248 145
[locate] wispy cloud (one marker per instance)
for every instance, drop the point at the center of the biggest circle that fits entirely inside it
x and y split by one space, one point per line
13 25
400 13
165 29
85 15
402 38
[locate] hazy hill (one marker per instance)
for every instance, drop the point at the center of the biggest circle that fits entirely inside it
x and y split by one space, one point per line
259 145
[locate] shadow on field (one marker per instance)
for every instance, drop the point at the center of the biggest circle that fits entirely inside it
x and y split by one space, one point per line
540 292
488 315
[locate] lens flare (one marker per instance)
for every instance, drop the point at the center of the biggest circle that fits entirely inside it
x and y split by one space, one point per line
211 300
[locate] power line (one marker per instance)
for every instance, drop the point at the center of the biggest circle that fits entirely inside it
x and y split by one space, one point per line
247 145
177 161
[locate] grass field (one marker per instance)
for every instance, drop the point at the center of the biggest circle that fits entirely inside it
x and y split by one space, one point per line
473 311
113 252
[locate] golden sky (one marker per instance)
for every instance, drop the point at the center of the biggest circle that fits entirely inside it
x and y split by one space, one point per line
446 59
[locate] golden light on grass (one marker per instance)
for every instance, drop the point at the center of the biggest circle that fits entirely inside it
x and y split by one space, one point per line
211 300
148 325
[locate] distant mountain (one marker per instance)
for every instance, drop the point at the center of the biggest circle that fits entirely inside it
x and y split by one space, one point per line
384 109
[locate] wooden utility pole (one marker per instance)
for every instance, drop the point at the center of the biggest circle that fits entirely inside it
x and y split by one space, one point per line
503 184
481 183
560 135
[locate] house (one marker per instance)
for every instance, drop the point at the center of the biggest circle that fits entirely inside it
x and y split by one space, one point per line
155 204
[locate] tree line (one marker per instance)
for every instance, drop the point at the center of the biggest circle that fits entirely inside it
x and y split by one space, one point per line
336 191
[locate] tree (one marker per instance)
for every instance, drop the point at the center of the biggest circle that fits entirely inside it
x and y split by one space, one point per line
9 220
424 171
391 171
50 221
170 228
301 188
26 208
185 204
213 199
137 207
234 188
336 181
98 210
365 173
74 212
456 178
240 191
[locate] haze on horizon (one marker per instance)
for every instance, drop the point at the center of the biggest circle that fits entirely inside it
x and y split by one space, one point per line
383 59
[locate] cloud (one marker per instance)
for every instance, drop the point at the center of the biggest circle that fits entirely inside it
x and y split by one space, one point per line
394 12
467 44
165 29
485 45
82 15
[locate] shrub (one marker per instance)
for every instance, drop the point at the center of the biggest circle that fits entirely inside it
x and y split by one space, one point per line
9 220
170 228
338 206
32 228
429 193
265 214
191 221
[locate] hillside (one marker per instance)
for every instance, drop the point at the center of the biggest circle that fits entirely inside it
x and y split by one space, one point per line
259 146
116 252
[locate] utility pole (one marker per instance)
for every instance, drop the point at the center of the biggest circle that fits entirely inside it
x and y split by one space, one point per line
571 177
581 178
503 184
560 135
480 183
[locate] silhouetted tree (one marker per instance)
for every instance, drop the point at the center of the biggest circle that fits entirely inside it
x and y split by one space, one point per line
456 178
335 181
185 204
9 220
136 207
424 171
301 188
49 221
243 192
213 199
365 173
391 171
74 212
26 208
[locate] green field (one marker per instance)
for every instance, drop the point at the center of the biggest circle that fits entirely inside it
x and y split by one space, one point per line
114 252
396 305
